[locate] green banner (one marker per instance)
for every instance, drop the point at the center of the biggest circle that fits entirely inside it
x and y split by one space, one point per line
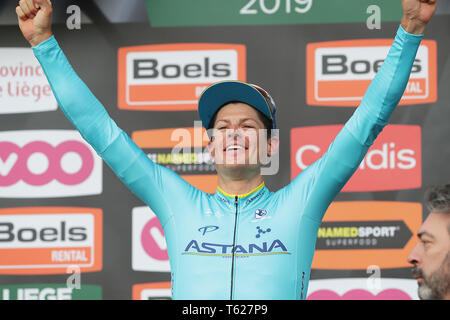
177 13
49 292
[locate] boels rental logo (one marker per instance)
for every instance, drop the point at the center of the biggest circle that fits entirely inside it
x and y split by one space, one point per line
171 77
182 150
48 240
393 162
339 72
357 234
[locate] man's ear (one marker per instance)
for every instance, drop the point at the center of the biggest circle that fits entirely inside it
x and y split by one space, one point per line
210 147
273 145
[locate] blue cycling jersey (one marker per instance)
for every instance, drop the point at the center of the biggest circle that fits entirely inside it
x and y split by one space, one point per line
258 245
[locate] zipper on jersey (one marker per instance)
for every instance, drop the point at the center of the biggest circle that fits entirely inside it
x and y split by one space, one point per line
234 244
303 285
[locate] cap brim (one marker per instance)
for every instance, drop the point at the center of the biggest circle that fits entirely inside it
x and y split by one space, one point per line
222 93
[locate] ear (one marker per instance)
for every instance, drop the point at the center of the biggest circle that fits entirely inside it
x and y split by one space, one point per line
210 147
273 145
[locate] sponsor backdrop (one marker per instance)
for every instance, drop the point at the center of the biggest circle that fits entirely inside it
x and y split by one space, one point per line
70 230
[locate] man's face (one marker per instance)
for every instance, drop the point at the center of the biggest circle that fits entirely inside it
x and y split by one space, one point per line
431 257
237 138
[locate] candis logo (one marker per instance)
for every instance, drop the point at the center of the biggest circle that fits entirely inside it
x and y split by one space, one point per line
392 163
339 72
171 77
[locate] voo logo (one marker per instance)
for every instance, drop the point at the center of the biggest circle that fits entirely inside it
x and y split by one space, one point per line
47 164
19 163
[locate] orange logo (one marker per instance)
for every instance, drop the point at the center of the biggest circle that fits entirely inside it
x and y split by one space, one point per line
152 291
356 235
339 72
171 77
192 163
49 240
394 162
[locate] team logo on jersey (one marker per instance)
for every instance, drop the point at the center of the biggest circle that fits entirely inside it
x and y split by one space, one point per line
228 250
259 213
205 229
261 231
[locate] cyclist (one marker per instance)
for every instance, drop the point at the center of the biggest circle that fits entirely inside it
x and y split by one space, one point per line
244 241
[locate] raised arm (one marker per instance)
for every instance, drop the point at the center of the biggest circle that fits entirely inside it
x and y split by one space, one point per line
321 182
149 181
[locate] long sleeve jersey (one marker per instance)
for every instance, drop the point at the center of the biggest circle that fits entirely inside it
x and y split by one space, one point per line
258 245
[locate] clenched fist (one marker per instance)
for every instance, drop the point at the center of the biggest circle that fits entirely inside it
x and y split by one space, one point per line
416 14
35 20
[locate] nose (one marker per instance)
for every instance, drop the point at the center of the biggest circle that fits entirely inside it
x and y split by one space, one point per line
414 256
233 132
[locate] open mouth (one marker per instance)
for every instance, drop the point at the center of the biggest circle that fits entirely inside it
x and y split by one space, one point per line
235 147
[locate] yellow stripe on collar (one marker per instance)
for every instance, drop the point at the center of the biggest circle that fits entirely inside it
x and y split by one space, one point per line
241 195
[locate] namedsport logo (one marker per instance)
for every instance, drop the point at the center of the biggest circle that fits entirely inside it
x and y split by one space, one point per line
339 72
48 240
182 150
171 77
357 234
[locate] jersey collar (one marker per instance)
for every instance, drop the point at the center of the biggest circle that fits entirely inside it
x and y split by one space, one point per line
243 199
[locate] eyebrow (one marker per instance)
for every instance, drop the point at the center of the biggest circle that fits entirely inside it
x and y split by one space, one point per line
242 120
425 233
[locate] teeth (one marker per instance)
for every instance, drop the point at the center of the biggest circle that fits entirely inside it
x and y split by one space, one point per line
235 147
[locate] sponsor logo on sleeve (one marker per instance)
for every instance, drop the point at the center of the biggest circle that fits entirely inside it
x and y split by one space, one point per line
171 77
48 240
182 150
47 163
358 234
152 291
23 84
50 292
149 247
363 289
394 162
339 72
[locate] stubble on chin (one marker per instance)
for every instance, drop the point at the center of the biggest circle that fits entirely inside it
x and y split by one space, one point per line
436 285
